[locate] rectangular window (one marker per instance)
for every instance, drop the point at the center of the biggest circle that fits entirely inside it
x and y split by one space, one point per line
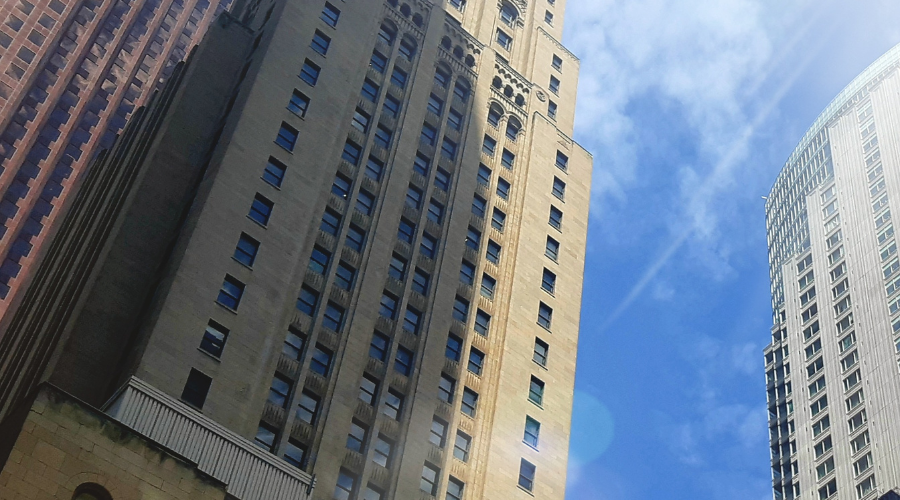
307 301
310 73
541 352
442 180
214 337
321 360
330 15
822 447
473 238
356 238
295 453
333 318
365 202
397 269
368 388
298 104
448 149
557 63
420 282
532 432
556 217
548 282
435 212
476 361
265 436
821 426
429 135
503 187
280 390
428 248
460 309
461 90
559 188
430 475
374 168
360 120
246 249
391 106
331 222
554 85
421 164
346 485
412 320
551 110
231 292
446 388
344 276
379 346
507 159
489 146
341 186
545 315
383 137
857 421
526 475
552 249
828 490
498 219
384 448
356 438
388 308
493 252
454 348
261 209
467 273
406 231
435 104
441 78
320 42
403 363
482 323
479 205
398 77
196 388
393 404
438 432
469 402
488 284
536 391
504 40
378 62
274 172
454 120
370 90
484 175
413 197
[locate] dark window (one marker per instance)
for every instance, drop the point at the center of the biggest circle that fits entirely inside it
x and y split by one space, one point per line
420 282
548 282
382 456
554 85
430 476
545 315
412 320
393 404
562 161
448 149
503 187
293 344
421 164
489 146
368 388
442 180
280 390
330 15
341 186
559 188
230 293
346 485
307 300
307 407
295 453
351 153
392 106
428 248
356 238
287 137
512 130
397 268
435 104
388 307
429 134
455 119
488 284
454 348
321 360
441 77
407 49
556 217
461 446
541 352
196 388
526 475
482 322
407 231
435 212
265 436
214 338
378 62
360 120
446 388
274 172
298 104
479 205
536 391
379 347
438 432
386 34
356 439
476 361
467 273
493 252
333 318
484 175
551 110
365 202
404 361
331 222
370 90
532 431
398 77
344 276
320 42
383 137
495 114
455 488
507 159
469 402
461 90
246 249
413 197
460 309
310 73
473 238
374 168
557 62
552 249
498 219
260 209
504 40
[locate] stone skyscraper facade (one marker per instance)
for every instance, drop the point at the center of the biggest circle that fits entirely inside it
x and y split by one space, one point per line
346 242
832 367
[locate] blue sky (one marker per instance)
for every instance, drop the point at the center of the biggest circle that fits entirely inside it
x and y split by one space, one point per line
690 108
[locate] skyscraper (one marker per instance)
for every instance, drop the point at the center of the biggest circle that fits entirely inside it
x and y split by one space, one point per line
832 367
72 74
354 235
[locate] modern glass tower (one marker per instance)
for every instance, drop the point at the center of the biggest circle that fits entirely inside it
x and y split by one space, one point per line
832 367
356 240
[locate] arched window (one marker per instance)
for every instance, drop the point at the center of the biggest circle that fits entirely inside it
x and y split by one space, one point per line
387 33
442 76
91 491
508 14
408 48
512 128
494 115
461 90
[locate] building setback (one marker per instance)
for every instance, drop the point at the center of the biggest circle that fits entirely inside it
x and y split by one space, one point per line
832 367
351 234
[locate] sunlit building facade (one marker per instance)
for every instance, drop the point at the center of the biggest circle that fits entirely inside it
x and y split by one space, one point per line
832 367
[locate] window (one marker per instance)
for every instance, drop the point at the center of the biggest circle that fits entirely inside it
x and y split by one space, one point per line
341 186
818 406
469 402
214 337
420 282
356 238
552 249
860 442
494 116
320 42
526 475
442 180
503 187
412 320
828 490
482 322
448 149
454 348
196 388
333 318
498 219
307 300
532 432
504 40
374 168
378 62
857 421
231 292
379 347
392 106
489 146
356 439
365 202
430 474
407 231
407 49
460 309
559 188
370 90
508 14
488 284
867 486
280 390
384 448
393 404
310 73
307 407
330 15
265 436
455 119
346 485
862 465
479 205
484 175
397 269
536 391
386 34
421 164
467 273
822 447
557 62
298 104
343 277
383 137
442 77
455 489
429 134
295 453
360 120
545 315
556 217
438 432
476 361
541 352
368 388
260 209
493 252
413 197
473 238
446 388
246 250
404 361
388 308
562 161
428 248
507 159
460 5
435 104
398 78
461 90
548 283
551 110
461 446
351 153
321 360
274 172
331 222
435 212
512 129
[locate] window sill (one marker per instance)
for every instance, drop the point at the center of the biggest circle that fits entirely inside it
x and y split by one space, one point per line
526 491
284 148
548 292
270 184
526 443
223 306
553 259
298 115
535 404
544 327
241 264
215 358
543 367
258 223
558 229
